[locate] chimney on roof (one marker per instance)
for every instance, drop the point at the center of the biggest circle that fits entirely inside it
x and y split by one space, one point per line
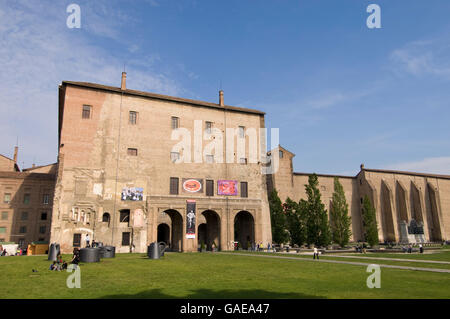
123 85
221 103
362 166
16 150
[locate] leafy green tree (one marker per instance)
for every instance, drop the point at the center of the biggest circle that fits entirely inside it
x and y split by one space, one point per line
295 222
317 226
277 219
340 220
369 222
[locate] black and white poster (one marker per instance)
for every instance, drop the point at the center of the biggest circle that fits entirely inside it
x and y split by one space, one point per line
190 219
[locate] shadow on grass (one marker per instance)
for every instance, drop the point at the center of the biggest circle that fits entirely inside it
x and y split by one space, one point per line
215 294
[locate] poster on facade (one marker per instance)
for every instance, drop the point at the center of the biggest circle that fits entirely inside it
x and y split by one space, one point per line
226 187
192 185
132 193
190 219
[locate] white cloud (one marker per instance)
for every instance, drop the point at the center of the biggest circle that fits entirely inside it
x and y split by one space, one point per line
38 51
433 165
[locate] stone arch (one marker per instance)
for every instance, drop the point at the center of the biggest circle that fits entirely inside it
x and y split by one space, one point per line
211 229
434 224
244 229
387 221
163 233
176 238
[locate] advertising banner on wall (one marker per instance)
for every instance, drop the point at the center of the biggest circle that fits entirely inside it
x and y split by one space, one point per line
226 187
190 219
192 185
132 193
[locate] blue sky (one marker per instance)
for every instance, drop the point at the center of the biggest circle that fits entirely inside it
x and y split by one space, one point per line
342 94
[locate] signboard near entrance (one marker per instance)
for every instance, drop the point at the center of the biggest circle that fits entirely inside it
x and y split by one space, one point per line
225 187
192 185
190 219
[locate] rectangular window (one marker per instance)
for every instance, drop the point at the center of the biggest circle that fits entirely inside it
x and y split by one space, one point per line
2 230
42 229
41 239
76 240
174 186
243 160
241 131
209 187
209 158
174 156
125 216
132 151
45 199
126 239
208 127
44 216
281 154
26 198
7 198
24 216
4 215
175 123
21 242
23 229
133 117
244 191
86 111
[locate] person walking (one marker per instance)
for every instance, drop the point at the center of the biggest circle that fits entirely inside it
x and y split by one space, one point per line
421 248
316 253
87 239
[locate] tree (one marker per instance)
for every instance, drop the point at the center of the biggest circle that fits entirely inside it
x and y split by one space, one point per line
277 219
295 222
369 222
317 226
340 220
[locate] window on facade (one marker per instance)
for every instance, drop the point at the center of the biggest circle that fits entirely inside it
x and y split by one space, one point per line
174 156
243 160
2 230
23 229
7 198
174 186
281 154
43 216
125 216
4 215
132 151
209 158
42 230
208 127
241 131
26 198
86 111
126 239
76 240
175 123
209 187
21 242
106 218
41 239
244 191
2 240
24 216
45 199
133 117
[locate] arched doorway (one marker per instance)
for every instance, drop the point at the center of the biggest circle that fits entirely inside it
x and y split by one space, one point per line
211 230
176 240
164 233
202 234
244 229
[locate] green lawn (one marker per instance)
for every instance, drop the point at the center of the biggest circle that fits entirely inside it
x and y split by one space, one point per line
207 275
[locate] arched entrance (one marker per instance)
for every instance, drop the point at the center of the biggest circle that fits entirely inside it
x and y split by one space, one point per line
244 229
164 233
176 239
209 232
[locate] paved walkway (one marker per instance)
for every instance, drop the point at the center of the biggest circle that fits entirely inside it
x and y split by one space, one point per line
344 262
394 259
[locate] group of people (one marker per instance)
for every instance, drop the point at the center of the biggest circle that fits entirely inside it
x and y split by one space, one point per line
409 249
60 264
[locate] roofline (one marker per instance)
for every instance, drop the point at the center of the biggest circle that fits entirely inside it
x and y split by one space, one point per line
7 157
161 97
22 175
406 173
324 175
36 167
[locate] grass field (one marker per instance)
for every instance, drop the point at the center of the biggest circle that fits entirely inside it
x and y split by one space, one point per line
219 275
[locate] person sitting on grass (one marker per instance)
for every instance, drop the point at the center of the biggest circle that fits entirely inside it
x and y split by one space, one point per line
54 266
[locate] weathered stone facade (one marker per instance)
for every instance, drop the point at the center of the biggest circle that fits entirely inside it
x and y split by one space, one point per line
95 165
410 207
